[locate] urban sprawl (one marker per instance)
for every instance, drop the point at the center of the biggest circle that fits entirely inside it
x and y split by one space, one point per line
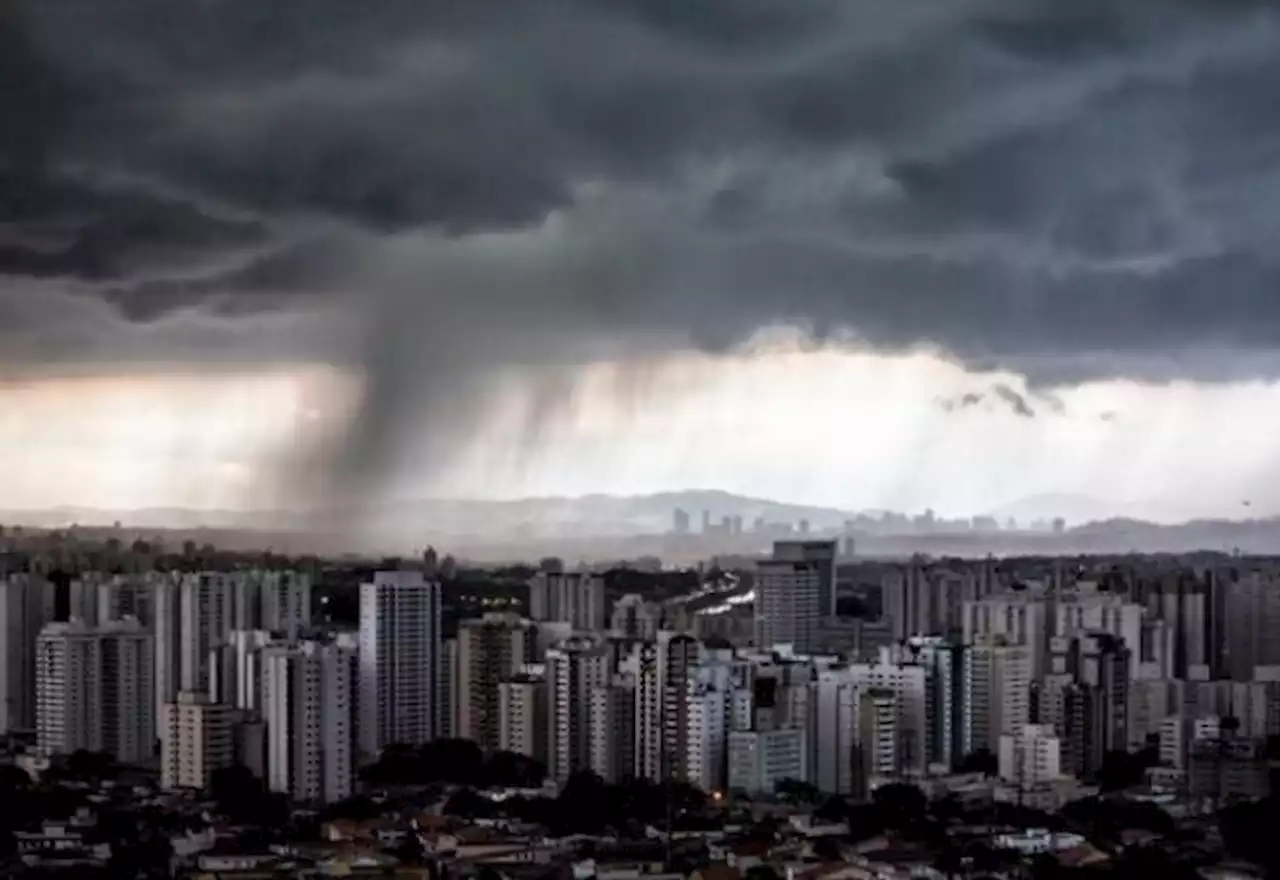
806 714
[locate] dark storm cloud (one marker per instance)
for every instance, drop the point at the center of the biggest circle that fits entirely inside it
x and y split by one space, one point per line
1069 190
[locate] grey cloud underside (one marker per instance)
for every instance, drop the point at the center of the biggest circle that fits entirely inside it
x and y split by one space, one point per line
1071 190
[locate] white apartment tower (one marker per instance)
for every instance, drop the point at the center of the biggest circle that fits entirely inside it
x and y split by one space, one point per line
759 760
490 650
128 595
907 681
197 737
575 598
643 666
876 759
575 668
206 617
400 670
522 716
1019 618
166 605
635 618
706 739
285 601
997 693
613 729
832 728
308 693
95 689
794 594
1030 756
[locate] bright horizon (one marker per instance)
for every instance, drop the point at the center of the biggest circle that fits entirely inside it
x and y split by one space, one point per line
798 424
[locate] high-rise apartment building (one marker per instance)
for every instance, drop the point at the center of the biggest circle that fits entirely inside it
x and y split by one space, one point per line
1018 618
760 759
522 716
490 650
678 657
832 727
943 663
635 618
997 692
576 598
575 668
197 738
205 618
795 592
308 700
400 670
285 601
876 749
95 690
908 683
613 729
1030 756
705 762
26 606
1092 612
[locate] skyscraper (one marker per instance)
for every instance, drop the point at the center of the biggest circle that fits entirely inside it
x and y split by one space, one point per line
400 668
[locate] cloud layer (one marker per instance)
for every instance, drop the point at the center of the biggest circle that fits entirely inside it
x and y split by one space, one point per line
427 191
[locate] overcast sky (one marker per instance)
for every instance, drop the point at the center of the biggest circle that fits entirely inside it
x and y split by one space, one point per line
262 253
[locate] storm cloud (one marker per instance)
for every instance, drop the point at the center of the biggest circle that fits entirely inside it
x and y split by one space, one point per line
428 192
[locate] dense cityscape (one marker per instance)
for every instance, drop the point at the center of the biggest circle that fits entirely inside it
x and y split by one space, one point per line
639 439
807 713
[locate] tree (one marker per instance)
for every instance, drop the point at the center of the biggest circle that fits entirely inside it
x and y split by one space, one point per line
515 770
900 805
979 761
1121 770
243 798
796 790
466 803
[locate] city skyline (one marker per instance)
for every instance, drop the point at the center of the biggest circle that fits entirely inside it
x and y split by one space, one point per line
945 256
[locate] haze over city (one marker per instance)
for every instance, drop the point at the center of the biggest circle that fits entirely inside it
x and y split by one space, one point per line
943 255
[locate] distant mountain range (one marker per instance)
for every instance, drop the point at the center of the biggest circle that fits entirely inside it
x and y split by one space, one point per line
588 515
